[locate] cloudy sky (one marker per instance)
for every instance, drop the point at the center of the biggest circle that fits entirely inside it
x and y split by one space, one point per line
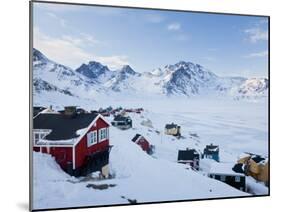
146 39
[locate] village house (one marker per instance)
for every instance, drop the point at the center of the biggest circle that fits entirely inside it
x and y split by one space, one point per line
81 110
173 129
255 166
105 112
211 152
224 173
139 110
129 110
71 109
190 157
122 122
143 143
37 110
78 142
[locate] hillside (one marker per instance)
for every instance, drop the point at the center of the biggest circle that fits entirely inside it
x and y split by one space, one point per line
144 178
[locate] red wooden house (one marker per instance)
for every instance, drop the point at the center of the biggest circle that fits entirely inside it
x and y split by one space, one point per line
78 142
143 143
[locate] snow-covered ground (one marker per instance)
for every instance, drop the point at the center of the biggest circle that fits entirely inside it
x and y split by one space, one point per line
236 126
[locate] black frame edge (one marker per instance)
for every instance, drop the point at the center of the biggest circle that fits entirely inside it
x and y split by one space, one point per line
128 7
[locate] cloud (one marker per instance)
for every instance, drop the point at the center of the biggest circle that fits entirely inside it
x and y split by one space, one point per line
75 41
61 21
69 51
62 49
85 39
90 39
259 32
174 27
154 18
114 62
257 54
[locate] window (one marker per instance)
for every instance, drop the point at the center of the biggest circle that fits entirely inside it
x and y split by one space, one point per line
39 134
103 134
237 179
36 137
222 178
92 138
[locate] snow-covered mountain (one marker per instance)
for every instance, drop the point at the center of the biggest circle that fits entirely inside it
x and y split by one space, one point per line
54 77
253 87
187 78
182 78
121 79
41 85
95 71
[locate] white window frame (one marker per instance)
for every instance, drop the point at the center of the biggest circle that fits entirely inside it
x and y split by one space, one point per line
92 138
42 134
237 179
105 130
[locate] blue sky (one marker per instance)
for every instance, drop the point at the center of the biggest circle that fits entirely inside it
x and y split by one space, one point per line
146 39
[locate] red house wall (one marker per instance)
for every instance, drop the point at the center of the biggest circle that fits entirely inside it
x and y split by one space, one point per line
82 149
144 144
62 155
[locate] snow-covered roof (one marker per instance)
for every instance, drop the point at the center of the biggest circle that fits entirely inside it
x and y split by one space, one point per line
136 137
120 118
62 127
211 149
57 142
171 126
65 142
223 168
188 154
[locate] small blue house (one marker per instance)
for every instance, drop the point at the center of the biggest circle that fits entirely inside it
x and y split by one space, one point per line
212 152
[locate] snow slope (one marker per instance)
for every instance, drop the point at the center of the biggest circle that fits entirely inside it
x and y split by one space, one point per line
235 126
139 177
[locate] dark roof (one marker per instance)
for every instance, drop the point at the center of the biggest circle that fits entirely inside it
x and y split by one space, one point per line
238 168
121 118
62 126
80 110
210 149
171 126
189 154
37 110
135 138
258 158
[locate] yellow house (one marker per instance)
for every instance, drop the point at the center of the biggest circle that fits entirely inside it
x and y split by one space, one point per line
255 166
173 129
